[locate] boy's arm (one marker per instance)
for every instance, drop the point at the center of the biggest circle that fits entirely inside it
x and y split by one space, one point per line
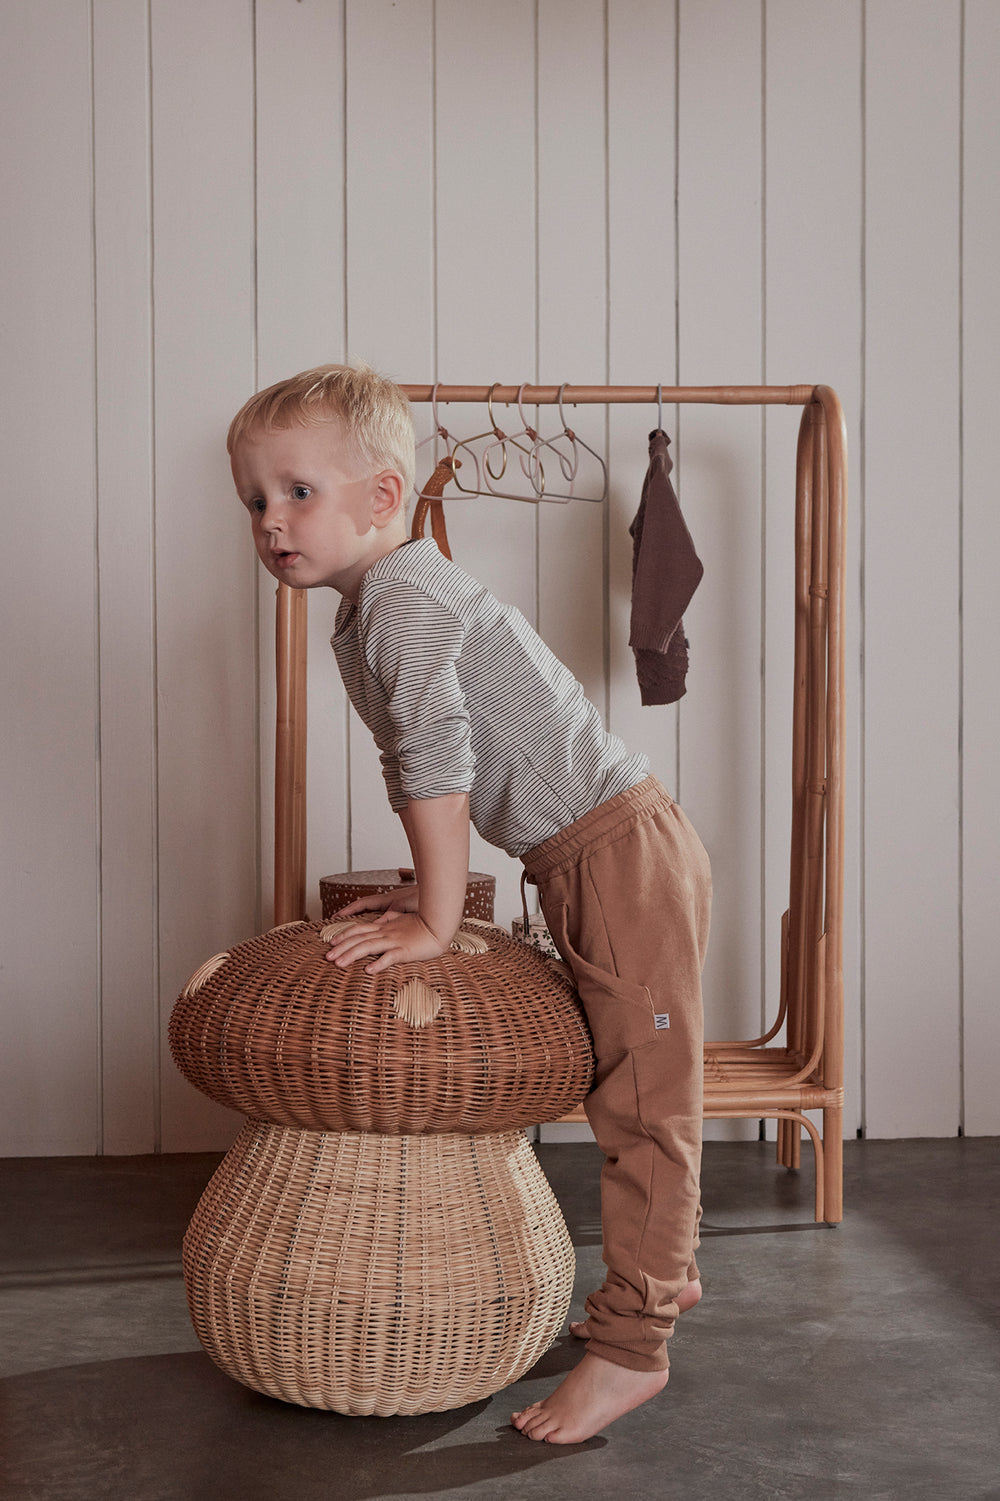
437 829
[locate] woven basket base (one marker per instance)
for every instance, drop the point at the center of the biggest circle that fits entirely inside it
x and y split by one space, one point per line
374 1274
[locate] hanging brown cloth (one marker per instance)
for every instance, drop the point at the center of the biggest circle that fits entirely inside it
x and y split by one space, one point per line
666 571
430 500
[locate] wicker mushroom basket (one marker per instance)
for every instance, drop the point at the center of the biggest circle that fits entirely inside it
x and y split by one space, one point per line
380 1239
487 1038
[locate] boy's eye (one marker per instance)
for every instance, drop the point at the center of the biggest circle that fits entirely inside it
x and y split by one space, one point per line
256 506
300 492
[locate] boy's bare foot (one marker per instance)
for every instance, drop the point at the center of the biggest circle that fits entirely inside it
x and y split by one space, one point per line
686 1298
589 1398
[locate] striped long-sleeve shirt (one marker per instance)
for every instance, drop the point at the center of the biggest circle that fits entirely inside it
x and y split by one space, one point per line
461 695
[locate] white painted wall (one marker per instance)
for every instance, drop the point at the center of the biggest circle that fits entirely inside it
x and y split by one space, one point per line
200 198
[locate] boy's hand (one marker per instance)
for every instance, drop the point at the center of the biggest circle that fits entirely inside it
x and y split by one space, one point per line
419 920
403 899
396 937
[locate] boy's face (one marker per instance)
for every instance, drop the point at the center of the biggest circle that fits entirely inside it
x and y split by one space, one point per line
318 517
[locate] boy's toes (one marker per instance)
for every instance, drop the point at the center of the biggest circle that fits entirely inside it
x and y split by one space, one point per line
534 1422
578 1329
520 1419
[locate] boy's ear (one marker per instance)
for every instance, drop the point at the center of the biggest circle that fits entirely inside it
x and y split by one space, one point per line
388 500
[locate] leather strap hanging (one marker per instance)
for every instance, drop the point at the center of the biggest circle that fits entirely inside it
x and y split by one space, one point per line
430 500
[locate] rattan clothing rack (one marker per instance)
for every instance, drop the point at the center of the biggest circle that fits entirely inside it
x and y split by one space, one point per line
755 1078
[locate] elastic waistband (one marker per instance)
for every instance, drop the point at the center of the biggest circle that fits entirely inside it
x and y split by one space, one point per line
607 822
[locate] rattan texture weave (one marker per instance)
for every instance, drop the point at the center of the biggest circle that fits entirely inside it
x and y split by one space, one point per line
375 1274
276 1031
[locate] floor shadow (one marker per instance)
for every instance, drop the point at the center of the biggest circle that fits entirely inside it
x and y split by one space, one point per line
742 1176
174 1426
708 1231
939 1200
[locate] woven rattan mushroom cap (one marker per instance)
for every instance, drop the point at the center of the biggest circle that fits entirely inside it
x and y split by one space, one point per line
472 1042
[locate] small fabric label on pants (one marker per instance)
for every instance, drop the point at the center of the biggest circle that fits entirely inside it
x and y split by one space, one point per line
661 1019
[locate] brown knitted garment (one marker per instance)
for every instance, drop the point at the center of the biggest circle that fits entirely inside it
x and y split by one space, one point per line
666 571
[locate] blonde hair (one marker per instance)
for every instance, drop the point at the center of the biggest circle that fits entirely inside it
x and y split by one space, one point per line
374 411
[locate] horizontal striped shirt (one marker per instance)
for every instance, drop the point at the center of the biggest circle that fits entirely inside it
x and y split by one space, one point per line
461 695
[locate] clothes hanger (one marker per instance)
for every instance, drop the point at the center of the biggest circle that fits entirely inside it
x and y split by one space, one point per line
531 459
569 463
578 443
432 489
531 463
439 430
489 465
483 462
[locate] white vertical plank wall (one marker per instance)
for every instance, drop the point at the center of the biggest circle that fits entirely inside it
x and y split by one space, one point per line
129 1027
300 322
201 199
390 267
486 237
911 628
981 548
572 302
49 1079
642 334
719 464
203 291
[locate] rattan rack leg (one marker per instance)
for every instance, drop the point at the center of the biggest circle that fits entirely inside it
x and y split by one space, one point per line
719 1114
833 1150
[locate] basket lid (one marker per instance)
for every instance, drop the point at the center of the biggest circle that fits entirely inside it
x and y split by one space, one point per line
486 1038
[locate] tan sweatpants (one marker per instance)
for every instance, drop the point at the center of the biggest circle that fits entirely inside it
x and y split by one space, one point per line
626 894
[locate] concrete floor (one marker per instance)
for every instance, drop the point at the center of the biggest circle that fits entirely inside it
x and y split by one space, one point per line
856 1362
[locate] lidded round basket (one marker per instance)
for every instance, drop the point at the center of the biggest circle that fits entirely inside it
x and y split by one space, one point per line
336 891
487 1038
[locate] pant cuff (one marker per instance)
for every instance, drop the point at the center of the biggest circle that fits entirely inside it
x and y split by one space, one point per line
651 1358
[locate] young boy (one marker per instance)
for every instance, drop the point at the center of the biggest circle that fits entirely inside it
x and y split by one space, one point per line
475 718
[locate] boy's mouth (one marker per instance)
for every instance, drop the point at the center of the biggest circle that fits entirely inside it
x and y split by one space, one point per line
284 559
